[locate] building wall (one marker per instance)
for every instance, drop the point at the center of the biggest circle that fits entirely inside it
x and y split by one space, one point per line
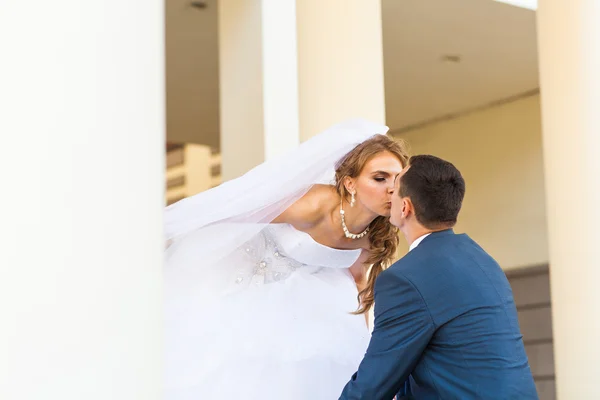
499 152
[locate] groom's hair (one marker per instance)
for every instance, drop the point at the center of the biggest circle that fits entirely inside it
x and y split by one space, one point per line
436 189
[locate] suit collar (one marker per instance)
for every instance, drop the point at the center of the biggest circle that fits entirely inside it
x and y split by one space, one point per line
438 234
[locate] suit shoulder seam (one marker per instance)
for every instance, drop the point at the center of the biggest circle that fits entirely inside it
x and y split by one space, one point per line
410 282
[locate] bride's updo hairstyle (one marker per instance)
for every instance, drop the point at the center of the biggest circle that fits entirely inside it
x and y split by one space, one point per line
383 236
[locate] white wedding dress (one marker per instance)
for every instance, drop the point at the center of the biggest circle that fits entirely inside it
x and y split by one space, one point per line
256 310
281 329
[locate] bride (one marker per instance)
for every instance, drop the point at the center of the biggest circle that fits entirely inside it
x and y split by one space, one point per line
266 275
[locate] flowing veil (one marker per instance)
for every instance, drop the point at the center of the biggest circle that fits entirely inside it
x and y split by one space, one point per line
199 227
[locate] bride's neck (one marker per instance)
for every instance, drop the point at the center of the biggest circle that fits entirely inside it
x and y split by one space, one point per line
357 218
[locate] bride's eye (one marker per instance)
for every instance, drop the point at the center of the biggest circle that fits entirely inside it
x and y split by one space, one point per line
379 179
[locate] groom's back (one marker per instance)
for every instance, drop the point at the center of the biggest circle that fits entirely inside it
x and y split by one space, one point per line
477 350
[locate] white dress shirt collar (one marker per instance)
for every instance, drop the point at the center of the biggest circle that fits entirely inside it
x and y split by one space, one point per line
417 241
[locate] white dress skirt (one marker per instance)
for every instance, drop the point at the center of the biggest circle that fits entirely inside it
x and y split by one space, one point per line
271 321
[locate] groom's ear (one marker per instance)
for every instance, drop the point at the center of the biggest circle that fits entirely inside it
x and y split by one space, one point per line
407 207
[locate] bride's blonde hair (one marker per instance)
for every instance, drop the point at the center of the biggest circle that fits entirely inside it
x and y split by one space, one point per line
383 236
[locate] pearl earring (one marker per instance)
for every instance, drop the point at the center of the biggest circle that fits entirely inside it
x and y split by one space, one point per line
352 200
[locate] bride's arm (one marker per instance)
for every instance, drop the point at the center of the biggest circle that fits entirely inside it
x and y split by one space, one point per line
359 273
359 270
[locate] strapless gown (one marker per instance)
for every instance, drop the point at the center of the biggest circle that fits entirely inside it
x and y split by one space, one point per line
272 321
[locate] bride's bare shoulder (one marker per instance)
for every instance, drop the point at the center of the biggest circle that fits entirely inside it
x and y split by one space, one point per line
311 208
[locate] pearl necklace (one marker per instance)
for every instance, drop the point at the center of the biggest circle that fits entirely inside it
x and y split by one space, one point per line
345 228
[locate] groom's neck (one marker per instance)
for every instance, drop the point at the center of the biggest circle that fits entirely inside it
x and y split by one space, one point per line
414 231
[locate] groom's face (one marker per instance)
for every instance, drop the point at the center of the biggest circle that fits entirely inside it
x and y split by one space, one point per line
397 217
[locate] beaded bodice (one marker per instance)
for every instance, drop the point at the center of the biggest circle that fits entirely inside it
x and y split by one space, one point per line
279 249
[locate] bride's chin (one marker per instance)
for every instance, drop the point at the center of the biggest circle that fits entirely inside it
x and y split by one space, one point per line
386 213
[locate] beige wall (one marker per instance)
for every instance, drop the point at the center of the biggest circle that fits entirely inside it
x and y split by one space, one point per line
499 152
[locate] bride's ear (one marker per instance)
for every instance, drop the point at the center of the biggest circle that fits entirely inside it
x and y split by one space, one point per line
349 184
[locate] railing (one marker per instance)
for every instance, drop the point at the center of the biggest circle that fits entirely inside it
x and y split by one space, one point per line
191 169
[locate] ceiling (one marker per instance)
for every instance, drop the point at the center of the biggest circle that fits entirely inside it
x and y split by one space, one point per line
496 44
441 57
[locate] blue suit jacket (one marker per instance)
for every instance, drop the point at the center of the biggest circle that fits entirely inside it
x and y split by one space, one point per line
445 328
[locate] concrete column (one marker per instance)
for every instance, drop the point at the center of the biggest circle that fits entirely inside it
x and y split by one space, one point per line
340 58
258 82
82 171
569 56
290 69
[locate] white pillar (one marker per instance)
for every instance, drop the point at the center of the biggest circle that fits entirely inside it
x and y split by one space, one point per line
569 56
258 82
81 166
289 69
340 54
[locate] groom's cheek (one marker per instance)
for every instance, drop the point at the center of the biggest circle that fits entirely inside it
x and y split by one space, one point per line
393 219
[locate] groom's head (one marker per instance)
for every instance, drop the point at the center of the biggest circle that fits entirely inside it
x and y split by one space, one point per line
429 192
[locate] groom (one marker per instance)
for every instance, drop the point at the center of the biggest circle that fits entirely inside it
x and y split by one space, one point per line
445 321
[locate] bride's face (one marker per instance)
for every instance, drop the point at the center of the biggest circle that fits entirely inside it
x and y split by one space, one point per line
375 184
